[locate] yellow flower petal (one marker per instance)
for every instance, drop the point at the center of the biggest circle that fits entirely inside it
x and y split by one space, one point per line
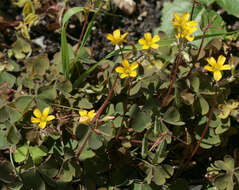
123 75
119 69
134 66
209 68
155 39
211 61
145 47
91 114
142 41
177 17
133 74
83 113
185 16
192 23
190 38
116 34
42 125
46 111
125 63
50 117
110 37
221 60
226 67
217 75
154 46
123 36
37 113
35 120
148 36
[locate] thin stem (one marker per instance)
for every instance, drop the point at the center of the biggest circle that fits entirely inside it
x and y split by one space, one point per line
121 51
125 110
58 105
201 44
12 162
178 62
193 8
82 32
204 132
134 141
98 113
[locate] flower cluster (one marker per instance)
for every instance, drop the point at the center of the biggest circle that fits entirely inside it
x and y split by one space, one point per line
185 28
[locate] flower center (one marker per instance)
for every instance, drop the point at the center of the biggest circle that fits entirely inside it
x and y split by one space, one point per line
217 67
43 119
127 71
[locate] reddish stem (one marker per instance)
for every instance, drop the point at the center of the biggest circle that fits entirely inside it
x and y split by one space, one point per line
82 32
203 134
178 62
98 113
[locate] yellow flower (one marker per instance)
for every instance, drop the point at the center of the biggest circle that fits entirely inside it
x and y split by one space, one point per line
85 117
217 67
116 39
42 118
149 42
127 70
185 28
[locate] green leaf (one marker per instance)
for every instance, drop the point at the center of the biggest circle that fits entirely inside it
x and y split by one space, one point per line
37 65
6 172
86 154
161 173
50 168
3 140
37 153
47 93
21 153
117 121
13 136
95 142
119 108
4 115
23 103
144 149
231 6
204 105
65 87
142 187
224 182
207 2
135 89
141 121
68 172
84 103
172 116
14 115
32 180
20 48
227 165
8 78
195 84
